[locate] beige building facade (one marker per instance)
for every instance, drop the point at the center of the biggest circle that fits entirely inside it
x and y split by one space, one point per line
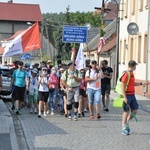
134 47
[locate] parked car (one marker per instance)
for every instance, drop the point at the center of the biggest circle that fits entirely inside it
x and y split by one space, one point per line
5 93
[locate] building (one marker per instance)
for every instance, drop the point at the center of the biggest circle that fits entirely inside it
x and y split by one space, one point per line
15 17
135 46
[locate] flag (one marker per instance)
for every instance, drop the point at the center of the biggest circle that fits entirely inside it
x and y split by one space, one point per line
101 44
73 54
80 61
26 41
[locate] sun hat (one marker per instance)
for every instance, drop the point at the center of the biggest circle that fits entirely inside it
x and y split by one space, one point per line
34 70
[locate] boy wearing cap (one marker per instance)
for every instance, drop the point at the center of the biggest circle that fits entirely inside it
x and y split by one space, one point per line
129 96
71 79
20 81
33 90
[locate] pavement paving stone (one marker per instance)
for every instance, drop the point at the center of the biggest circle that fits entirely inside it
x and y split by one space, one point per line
57 133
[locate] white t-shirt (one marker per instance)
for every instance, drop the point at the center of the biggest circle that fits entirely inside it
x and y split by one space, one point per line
43 87
93 84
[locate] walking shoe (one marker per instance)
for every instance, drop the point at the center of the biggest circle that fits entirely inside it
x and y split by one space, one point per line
107 109
69 118
52 113
48 112
39 116
125 132
61 112
127 127
35 112
13 107
104 108
83 114
98 116
85 110
18 112
75 118
91 117
79 115
66 115
45 115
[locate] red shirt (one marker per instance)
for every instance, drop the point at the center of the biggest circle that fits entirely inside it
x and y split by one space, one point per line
53 81
130 88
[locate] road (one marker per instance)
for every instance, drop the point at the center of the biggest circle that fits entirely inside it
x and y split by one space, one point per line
57 133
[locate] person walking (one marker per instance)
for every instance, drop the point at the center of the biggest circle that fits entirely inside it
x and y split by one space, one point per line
20 81
33 90
128 92
106 84
93 78
43 91
83 95
53 82
71 79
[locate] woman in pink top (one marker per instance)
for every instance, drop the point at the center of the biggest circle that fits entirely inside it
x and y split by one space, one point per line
53 90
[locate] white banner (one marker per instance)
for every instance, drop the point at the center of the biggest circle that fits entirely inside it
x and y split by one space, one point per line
80 61
13 48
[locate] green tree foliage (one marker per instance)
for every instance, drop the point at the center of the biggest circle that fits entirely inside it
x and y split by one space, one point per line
55 24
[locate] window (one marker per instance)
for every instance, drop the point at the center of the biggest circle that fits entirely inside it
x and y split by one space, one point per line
139 49
126 8
145 49
147 3
133 7
122 9
140 5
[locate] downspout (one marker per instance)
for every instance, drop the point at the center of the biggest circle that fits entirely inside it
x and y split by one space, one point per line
145 90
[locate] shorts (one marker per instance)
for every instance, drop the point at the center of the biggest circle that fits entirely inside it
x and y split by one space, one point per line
82 92
62 92
19 93
73 96
94 96
132 102
105 88
33 98
43 96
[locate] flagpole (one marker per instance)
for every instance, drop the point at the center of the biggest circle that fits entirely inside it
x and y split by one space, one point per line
41 59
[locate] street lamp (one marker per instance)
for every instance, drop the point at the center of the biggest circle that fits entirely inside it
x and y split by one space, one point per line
88 25
104 10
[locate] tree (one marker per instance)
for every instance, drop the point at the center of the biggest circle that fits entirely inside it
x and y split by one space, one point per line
56 22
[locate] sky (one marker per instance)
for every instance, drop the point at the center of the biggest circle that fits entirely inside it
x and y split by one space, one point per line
56 6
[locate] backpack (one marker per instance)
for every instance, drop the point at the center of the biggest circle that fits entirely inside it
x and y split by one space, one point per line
118 85
67 74
97 71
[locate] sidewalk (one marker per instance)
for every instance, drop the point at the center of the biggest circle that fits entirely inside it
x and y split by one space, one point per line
8 140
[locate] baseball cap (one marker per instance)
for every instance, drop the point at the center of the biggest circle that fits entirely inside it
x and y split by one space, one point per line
44 68
34 70
93 62
132 63
71 63
49 61
20 63
61 69
53 68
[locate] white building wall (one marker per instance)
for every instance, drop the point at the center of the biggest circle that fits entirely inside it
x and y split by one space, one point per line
140 16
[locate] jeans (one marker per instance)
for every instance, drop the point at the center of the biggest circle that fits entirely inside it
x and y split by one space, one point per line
94 96
52 99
